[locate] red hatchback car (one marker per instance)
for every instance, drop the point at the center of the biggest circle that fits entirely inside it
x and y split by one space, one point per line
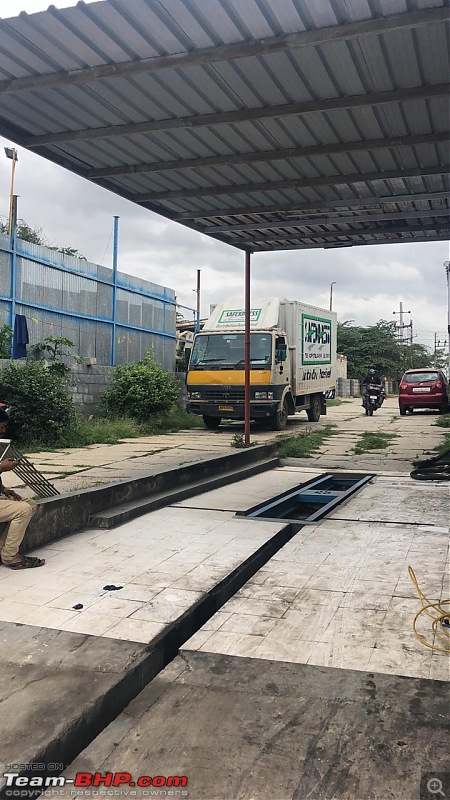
424 388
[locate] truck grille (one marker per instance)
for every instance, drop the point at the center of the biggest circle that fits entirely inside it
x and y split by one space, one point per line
234 395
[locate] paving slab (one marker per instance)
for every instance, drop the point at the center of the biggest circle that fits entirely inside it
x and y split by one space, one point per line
251 729
338 594
164 561
52 682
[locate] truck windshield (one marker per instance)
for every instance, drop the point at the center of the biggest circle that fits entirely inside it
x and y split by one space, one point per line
227 350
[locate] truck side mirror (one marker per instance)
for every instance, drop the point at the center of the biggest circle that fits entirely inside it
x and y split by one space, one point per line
280 350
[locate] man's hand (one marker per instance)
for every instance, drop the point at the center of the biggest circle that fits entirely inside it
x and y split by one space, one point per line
11 495
9 464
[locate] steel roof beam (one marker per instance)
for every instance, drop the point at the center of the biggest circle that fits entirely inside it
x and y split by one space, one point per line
336 245
229 52
373 231
327 220
270 155
292 208
242 115
294 183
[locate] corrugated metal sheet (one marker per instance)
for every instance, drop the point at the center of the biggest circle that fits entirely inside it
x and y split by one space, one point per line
86 87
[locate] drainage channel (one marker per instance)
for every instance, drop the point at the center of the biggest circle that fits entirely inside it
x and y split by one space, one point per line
311 501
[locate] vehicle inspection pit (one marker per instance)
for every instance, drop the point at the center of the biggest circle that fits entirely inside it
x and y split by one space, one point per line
313 500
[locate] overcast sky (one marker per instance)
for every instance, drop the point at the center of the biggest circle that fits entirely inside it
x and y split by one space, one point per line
370 281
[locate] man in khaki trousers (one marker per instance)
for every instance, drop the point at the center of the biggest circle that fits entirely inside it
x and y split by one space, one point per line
17 512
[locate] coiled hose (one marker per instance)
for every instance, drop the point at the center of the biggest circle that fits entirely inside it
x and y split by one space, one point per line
440 616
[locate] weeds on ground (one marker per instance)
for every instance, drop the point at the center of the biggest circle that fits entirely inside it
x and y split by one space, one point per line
107 430
304 444
336 401
443 421
444 445
239 441
373 440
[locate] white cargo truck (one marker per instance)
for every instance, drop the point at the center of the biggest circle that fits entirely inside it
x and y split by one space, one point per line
292 362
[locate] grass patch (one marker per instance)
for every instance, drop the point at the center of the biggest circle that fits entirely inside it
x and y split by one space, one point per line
444 445
336 401
106 430
443 421
373 440
306 443
172 422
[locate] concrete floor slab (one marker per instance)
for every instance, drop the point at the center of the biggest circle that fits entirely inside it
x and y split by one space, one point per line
164 561
261 730
51 682
352 603
251 491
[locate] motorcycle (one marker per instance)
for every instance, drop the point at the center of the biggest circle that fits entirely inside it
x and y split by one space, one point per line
373 398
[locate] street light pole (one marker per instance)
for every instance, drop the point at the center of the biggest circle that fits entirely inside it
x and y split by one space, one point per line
331 294
11 153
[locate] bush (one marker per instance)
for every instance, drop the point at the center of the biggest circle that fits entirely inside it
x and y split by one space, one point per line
42 408
139 391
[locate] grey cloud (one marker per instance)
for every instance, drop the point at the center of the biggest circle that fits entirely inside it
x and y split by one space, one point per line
370 280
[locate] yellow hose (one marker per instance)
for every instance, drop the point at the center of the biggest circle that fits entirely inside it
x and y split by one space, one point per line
440 630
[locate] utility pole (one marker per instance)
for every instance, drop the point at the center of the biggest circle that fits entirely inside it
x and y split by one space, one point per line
401 326
197 323
331 294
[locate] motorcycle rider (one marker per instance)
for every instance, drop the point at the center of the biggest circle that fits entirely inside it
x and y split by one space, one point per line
371 379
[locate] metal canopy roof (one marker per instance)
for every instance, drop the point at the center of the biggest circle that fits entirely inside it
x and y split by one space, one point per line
268 124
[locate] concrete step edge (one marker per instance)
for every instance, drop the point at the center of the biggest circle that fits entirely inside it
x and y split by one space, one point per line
112 517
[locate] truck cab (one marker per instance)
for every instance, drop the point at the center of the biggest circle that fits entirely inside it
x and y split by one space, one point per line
216 375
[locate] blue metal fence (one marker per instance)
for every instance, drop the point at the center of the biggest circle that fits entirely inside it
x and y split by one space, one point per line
109 315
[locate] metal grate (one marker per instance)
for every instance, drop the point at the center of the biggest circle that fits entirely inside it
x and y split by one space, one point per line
311 501
28 473
232 395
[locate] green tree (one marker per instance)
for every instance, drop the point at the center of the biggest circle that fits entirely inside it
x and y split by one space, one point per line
140 390
55 348
377 346
36 236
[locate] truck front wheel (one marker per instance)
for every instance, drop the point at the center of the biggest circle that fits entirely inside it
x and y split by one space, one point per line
314 409
280 418
211 422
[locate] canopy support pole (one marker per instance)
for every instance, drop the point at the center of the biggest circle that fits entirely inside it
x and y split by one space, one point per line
247 350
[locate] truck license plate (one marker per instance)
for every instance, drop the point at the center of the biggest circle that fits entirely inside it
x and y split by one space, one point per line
421 389
226 408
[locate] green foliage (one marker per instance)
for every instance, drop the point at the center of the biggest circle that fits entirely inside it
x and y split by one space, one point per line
377 346
170 422
444 445
239 441
373 440
28 234
305 443
36 236
42 408
443 421
55 348
6 335
140 390
98 430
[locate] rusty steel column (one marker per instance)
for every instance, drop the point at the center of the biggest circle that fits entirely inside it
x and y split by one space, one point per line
247 350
